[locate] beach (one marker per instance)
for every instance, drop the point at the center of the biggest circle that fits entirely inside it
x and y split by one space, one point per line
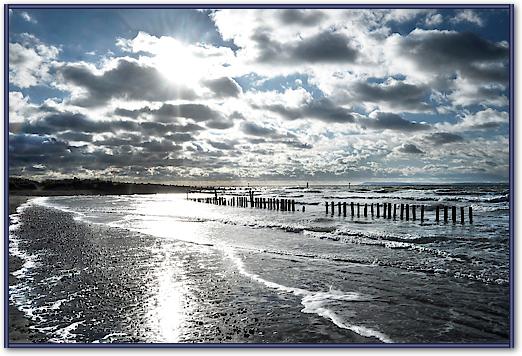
162 269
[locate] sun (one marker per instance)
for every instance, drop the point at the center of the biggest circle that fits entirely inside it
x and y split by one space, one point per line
179 65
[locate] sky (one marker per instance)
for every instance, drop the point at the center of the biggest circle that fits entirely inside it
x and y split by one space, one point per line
237 95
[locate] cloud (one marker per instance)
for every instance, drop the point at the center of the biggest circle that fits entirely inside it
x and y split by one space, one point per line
128 80
440 138
223 87
410 148
433 19
468 15
28 17
30 63
253 129
485 119
324 47
300 17
448 52
396 95
321 109
390 121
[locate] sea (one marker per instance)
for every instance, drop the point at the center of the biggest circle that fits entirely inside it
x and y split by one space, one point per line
163 268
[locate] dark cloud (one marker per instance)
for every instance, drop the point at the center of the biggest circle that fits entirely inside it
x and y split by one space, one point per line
224 145
76 123
390 121
440 138
400 95
75 136
325 47
220 124
410 148
466 52
223 87
255 130
128 80
321 109
169 112
300 17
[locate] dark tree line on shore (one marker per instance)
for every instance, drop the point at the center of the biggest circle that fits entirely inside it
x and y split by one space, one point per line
87 186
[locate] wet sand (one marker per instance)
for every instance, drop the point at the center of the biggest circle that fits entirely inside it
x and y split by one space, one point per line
114 285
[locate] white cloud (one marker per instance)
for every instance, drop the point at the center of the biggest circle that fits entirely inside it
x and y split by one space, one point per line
468 15
28 17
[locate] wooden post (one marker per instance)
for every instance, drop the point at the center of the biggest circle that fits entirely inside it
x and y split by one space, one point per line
462 215
422 213
378 213
384 209
413 212
407 212
351 208
470 213
358 210
332 206
454 214
389 210
277 203
437 214
394 211
293 205
445 214
344 209
326 205
371 209
365 210
402 211
303 208
339 208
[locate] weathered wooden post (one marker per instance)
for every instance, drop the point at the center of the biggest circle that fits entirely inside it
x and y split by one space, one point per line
303 208
293 205
351 208
339 208
344 209
470 213
384 208
445 214
422 213
365 210
277 203
413 212
454 214
462 215
332 206
407 212
437 214
402 211
326 205
378 213
371 207
358 210
394 211
389 210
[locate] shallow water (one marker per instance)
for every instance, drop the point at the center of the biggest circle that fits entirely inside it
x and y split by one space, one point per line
386 280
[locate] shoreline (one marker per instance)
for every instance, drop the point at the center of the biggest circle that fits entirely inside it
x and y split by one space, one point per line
20 331
217 308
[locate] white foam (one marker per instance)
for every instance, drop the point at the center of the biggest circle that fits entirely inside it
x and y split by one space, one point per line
314 302
66 334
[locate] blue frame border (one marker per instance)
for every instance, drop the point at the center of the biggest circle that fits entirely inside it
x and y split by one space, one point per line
509 7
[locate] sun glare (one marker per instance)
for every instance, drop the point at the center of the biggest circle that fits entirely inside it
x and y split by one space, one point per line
178 65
